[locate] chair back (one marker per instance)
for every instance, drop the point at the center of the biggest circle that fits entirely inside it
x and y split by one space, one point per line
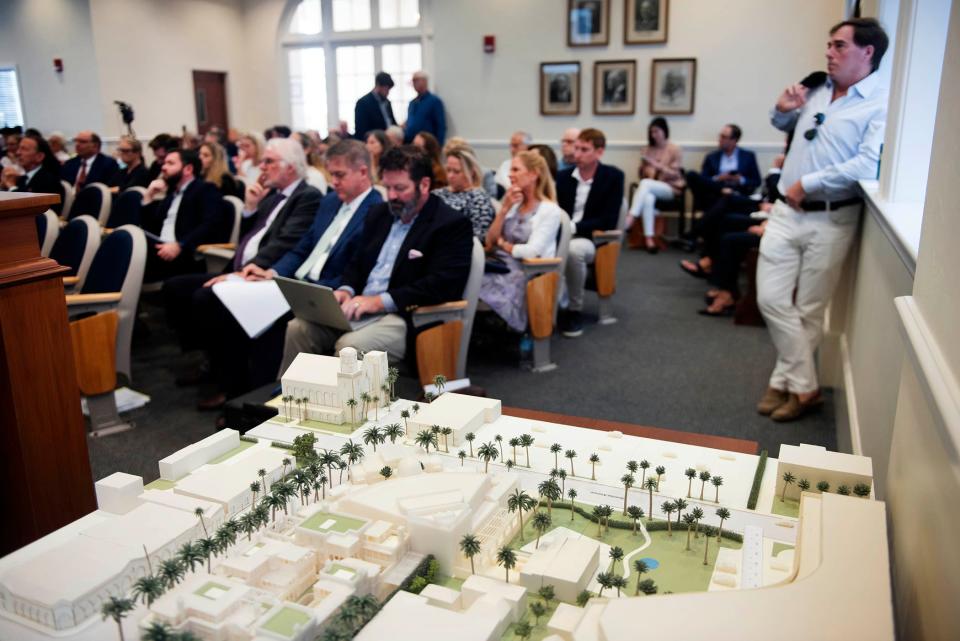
68 196
76 245
118 267
126 208
622 218
48 228
563 251
234 216
471 294
93 200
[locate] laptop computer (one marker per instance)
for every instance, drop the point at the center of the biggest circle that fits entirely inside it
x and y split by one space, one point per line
317 304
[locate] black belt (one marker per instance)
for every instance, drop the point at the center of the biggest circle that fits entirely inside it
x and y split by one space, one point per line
827 205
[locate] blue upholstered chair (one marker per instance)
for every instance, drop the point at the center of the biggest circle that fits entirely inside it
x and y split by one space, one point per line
93 200
126 208
75 247
48 228
68 194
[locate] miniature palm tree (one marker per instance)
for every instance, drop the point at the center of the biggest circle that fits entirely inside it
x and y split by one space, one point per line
415 408
691 474
555 449
697 514
520 502
199 514
616 554
660 470
803 485
353 452
189 555
116 608
159 631
598 514
299 413
426 438
470 437
541 522
562 475
537 609
632 467
572 493
147 588
499 440
429 396
320 485
628 480
470 546
724 514
620 583
526 441
649 484
551 491
207 547
254 488
605 579
668 508
365 399
262 473
843 490
488 452
607 513
447 432
635 513
352 404
375 400
306 413
385 388
547 592
285 462
644 465
704 476
248 524
594 459
508 559
509 464
641 568
717 481
386 472
462 455
571 454
788 480
680 505
393 432
823 486
523 629
171 571
514 443
583 597
690 520
648 587
707 534
371 436
862 490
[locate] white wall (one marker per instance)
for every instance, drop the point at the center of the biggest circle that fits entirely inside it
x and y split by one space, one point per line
32 34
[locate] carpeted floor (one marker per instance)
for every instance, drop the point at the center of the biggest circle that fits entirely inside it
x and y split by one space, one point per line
661 365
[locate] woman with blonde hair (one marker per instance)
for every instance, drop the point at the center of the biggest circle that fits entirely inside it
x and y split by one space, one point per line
213 163
464 191
247 160
134 173
525 227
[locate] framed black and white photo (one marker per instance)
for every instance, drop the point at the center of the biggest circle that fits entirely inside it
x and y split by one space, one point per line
644 21
588 23
559 88
614 87
673 83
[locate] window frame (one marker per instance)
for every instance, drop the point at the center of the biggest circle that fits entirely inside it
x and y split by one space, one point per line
19 88
330 40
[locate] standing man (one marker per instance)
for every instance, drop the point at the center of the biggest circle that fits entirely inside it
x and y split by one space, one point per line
724 171
415 251
89 165
838 129
567 144
425 112
373 111
592 193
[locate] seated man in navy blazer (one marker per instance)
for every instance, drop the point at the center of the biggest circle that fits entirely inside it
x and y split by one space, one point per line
41 170
415 251
592 193
729 169
373 110
319 255
188 215
89 165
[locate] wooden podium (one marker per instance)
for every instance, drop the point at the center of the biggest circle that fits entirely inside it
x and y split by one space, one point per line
44 467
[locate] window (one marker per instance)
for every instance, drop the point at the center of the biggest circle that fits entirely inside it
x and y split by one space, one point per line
334 48
11 110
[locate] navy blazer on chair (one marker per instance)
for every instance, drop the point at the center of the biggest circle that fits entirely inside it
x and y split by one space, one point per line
103 170
602 209
198 216
746 165
347 245
367 116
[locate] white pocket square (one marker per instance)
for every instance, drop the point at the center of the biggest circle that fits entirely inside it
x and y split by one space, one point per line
413 254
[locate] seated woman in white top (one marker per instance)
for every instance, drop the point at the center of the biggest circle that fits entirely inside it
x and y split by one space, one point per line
526 226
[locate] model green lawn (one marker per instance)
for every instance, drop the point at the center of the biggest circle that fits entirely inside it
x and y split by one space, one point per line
786 507
342 523
285 622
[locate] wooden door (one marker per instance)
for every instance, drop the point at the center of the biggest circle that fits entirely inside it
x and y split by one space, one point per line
210 98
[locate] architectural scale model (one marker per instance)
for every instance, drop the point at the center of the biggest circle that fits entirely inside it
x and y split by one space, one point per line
451 521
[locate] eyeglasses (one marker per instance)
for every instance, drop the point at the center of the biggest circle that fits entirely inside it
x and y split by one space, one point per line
124 150
268 161
818 119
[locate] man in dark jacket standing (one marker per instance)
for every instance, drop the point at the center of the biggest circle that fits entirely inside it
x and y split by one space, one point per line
373 111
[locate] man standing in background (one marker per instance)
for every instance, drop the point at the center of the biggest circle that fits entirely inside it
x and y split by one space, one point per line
425 112
373 111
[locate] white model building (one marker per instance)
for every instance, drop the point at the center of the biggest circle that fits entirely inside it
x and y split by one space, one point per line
566 563
815 463
459 412
328 382
184 461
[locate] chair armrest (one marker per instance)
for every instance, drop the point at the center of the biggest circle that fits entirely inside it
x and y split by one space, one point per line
203 249
607 236
70 281
80 303
443 312
536 266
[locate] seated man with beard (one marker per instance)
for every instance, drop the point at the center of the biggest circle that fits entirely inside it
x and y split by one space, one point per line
415 251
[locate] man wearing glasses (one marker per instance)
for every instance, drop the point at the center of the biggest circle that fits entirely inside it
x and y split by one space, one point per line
89 165
838 128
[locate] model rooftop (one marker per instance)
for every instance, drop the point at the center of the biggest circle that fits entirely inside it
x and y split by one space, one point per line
331 522
321 370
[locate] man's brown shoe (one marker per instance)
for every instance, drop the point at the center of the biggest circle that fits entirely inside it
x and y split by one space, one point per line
794 408
212 402
772 399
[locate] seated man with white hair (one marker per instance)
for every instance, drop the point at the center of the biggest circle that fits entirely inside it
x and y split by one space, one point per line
519 141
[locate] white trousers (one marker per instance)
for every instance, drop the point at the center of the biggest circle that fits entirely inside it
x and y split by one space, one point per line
645 201
581 254
802 251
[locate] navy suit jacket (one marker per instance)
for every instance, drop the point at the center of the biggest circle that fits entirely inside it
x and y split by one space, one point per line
104 170
198 217
347 245
43 182
602 209
368 116
746 165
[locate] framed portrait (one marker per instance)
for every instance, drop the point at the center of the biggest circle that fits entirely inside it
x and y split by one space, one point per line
559 88
614 87
588 23
644 21
673 84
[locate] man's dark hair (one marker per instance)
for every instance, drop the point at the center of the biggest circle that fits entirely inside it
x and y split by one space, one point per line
190 157
282 131
383 79
164 141
660 123
867 31
593 136
408 158
735 131
49 162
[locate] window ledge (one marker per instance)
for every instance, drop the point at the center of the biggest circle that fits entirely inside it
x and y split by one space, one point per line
901 222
